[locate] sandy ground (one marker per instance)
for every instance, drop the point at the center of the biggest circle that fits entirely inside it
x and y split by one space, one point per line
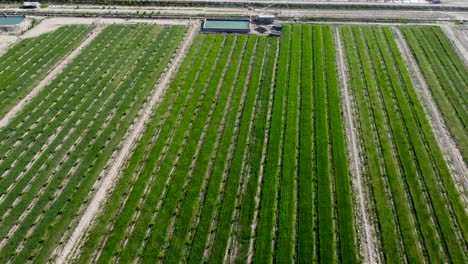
451 153
51 76
5 42
113 173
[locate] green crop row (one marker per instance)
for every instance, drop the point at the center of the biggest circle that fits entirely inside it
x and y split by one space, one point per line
306 238
29 61
268 203
347 245
286 210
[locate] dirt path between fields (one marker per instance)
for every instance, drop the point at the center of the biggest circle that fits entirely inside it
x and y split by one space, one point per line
451 153
369 251
48 79
112 175
459 47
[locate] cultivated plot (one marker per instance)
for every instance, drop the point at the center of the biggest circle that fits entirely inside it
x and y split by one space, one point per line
238 163
411 194
29 61
53 153
446 76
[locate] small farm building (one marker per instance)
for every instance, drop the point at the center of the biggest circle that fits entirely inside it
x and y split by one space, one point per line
265 19
30 5
226 25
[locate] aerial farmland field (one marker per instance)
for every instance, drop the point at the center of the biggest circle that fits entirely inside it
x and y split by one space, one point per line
405 168
28 62
129 140
53 152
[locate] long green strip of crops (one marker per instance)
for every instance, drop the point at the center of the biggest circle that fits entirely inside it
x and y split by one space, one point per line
287 210
324 192
305 235
341 173
264 237
29 61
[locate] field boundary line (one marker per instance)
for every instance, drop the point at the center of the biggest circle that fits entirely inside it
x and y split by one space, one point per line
58 69
101 194
447 144
353 152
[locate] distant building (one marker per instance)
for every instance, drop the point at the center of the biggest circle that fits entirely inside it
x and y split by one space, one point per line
226 25
30 5
265 19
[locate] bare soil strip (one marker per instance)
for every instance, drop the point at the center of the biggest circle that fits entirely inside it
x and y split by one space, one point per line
113 173
48 79
459 47
452 154
353 152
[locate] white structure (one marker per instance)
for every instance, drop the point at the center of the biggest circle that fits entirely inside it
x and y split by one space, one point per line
30 5
265 19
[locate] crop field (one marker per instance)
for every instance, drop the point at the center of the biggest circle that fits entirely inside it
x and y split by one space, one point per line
53 152
229 159
414 199
157 144
447 77
23 66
